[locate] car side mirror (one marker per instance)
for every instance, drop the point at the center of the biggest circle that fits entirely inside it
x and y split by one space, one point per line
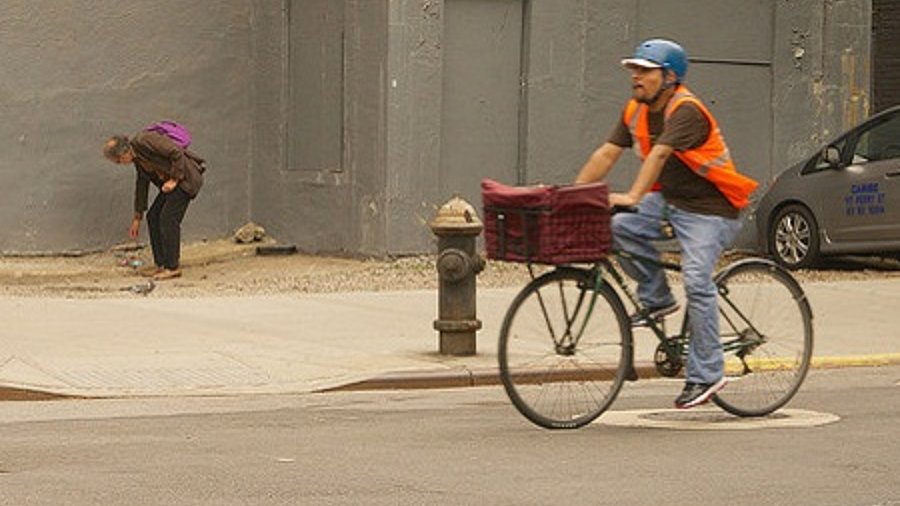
832 156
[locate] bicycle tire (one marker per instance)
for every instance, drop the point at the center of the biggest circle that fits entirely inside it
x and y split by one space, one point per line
556 386
777 330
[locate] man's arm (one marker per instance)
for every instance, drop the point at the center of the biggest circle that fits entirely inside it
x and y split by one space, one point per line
599 164
141 188
648 174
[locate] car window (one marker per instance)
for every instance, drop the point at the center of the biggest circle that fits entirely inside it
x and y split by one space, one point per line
881 141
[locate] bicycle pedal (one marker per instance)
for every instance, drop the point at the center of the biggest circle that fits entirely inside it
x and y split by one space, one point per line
645 322
658 315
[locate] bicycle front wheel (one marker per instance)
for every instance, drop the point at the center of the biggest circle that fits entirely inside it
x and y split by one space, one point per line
767 334
563 352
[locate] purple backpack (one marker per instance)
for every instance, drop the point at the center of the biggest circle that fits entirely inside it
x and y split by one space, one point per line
175 131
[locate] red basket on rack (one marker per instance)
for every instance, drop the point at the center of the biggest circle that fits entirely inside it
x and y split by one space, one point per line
546 224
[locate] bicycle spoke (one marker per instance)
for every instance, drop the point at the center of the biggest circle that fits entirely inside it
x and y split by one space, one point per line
767 332
566 378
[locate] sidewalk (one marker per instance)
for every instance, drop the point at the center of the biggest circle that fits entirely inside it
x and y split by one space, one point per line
139 346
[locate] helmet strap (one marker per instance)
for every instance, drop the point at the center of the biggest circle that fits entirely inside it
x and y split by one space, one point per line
652 100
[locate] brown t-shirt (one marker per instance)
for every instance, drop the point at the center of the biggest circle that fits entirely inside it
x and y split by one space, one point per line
687 128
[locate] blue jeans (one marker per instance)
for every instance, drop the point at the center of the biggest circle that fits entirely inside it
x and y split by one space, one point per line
702 238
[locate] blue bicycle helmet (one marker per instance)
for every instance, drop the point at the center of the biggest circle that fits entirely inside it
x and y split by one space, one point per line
660 53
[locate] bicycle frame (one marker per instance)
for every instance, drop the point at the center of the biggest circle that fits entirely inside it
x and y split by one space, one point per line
604 271
675 345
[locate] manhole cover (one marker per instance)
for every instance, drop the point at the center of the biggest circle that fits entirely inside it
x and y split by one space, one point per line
714 419
704 416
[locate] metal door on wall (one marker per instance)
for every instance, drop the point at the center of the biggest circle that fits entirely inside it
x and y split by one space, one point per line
729 43
316 85
482 46
731 70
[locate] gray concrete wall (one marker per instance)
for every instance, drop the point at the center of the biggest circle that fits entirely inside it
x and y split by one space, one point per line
822 73
576 88
76 72
817 63
332 207
795 74
414 80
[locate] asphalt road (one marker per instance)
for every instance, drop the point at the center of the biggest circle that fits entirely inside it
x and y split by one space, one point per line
445 447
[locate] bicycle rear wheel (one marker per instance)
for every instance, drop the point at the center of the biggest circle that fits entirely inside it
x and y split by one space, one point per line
564 353
767 333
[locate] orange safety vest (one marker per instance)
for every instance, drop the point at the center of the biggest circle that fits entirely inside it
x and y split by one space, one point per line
711 160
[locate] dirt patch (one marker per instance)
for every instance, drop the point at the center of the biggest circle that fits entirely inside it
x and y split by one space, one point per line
226 268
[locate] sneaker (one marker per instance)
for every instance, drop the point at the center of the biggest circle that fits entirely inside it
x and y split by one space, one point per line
695 394
167 274
642 318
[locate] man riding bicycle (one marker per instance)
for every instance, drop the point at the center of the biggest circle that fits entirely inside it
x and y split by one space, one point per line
687 176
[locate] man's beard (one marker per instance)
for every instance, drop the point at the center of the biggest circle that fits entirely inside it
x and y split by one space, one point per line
653 99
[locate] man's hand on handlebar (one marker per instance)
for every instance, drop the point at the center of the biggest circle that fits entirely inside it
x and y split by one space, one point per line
623 199
622 203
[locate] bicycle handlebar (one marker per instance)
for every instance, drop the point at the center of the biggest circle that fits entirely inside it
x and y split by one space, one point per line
623 209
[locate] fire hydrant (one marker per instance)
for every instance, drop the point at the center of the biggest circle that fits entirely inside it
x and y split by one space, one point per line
456 226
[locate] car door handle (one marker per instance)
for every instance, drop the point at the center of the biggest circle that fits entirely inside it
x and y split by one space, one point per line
893 173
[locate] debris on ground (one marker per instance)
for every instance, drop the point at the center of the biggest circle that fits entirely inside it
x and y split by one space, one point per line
251 232
141 288
131 261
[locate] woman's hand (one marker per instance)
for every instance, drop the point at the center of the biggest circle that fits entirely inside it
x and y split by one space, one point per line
169 185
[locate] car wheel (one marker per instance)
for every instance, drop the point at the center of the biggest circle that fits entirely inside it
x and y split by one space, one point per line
794 237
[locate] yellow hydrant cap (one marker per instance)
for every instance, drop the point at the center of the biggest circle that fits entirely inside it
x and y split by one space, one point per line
456 215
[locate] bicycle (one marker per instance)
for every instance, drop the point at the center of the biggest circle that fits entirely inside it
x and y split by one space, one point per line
566 345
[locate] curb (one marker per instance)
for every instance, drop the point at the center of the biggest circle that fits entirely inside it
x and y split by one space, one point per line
24 394
876 360
460 378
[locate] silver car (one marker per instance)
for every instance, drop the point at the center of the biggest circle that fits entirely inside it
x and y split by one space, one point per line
843 200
